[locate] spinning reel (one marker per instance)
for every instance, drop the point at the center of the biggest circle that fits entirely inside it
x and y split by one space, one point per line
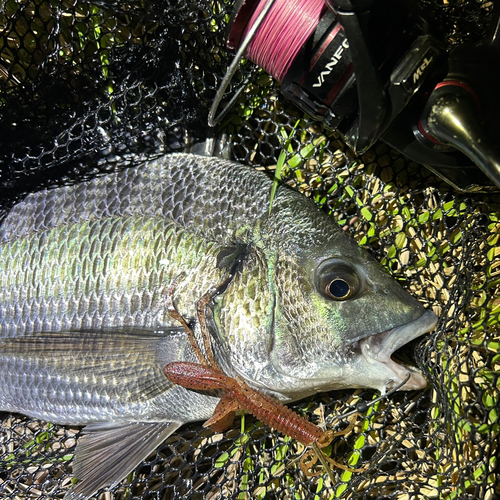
375 69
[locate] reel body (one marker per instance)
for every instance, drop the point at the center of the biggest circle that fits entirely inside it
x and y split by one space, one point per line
376 69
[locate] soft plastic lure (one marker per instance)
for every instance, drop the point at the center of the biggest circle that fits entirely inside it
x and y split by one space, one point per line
238 395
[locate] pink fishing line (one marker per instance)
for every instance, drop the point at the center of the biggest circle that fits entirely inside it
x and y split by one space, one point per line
285 30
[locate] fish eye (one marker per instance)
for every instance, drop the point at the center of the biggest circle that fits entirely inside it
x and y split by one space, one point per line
338 281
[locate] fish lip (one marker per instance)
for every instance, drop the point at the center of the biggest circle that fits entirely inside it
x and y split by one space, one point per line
379 348
375 350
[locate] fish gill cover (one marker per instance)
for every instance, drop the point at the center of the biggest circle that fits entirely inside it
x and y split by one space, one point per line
86 88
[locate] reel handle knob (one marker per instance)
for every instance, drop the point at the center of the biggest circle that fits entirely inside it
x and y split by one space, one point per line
451 117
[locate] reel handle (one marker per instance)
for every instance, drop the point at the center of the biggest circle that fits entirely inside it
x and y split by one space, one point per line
451 117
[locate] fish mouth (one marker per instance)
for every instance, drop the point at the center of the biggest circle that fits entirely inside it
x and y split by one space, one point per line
377 350
367 364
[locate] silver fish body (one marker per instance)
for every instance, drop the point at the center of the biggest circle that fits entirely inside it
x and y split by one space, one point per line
84 327
84 377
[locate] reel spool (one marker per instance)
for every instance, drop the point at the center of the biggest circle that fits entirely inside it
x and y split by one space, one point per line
374 69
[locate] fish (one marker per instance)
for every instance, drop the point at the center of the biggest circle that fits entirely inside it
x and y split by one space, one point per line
85 328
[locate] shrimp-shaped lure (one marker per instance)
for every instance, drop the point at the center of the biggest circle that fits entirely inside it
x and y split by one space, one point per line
238 395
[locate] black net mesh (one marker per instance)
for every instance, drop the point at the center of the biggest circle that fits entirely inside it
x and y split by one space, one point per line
85 88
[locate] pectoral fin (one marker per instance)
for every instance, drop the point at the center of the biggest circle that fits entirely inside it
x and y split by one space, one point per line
109 451
127 362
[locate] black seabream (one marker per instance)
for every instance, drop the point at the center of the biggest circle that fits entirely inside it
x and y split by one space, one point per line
84 324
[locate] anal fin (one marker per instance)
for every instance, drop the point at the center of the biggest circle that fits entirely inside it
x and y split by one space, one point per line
107 452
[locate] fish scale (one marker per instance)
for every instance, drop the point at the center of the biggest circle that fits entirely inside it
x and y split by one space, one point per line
109 386
84 326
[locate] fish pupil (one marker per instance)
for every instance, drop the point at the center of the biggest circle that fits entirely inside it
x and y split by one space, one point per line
339 288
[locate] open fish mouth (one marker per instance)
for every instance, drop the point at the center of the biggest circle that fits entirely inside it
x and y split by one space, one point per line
378 349
368 364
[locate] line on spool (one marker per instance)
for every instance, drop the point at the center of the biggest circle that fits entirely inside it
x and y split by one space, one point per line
283 33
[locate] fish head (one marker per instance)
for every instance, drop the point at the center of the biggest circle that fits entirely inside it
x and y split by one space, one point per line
338 321
338 315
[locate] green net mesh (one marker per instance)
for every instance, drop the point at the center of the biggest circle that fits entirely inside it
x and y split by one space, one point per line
89 87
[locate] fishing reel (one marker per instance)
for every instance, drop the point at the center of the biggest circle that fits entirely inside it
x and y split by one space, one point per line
375 69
